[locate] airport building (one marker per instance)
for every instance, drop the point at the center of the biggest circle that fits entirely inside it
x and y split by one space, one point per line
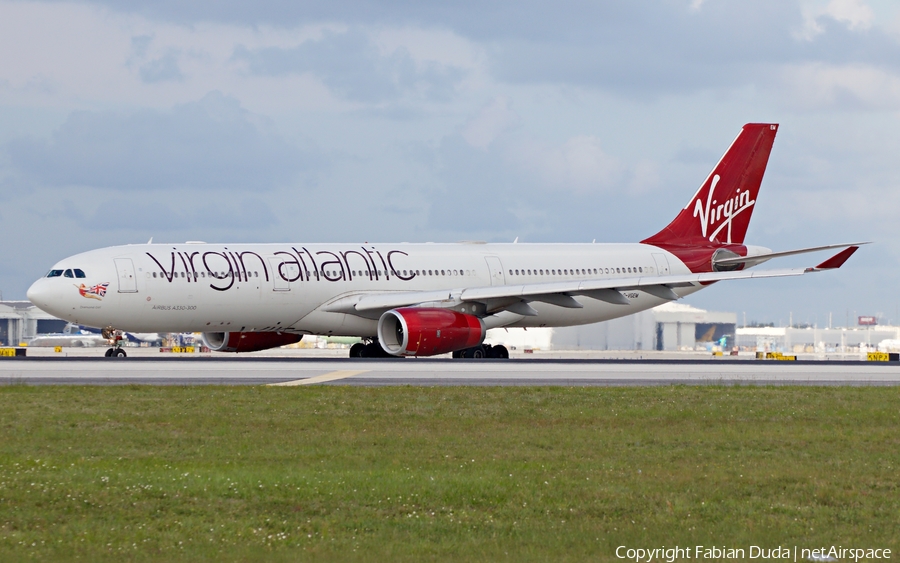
669 327
20 321
791 340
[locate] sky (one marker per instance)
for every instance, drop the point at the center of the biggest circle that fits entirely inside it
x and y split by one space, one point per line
398 121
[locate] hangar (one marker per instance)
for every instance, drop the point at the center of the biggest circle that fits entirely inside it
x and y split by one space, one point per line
671 326
20 321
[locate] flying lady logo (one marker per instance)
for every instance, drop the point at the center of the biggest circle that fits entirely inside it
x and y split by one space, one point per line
97 292
720 215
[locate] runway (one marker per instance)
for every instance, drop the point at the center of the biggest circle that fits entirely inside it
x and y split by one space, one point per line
435 372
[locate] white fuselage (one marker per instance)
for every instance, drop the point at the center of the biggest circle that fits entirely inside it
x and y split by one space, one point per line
196 287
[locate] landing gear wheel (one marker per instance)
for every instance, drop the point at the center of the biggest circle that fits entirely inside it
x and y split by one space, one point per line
475 352
500 352
120 353
357 349
483 351
110 352
373 350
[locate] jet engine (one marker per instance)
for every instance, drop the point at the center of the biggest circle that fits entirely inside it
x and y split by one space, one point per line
247 341
427 332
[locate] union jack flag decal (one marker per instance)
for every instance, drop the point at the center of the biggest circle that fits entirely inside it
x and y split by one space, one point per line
94 292
99 289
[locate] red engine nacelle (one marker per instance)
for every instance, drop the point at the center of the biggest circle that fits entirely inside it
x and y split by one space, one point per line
248 341
428 332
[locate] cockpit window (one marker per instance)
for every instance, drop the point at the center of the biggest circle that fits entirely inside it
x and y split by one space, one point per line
54 273
69 274
79 273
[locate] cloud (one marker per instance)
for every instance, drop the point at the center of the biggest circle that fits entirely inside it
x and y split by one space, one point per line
492 120
517 185
148 215
209 144
162 69
354 68
578 165
642 50
855 14
816 86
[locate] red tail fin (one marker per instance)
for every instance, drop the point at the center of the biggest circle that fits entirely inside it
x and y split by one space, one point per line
720 210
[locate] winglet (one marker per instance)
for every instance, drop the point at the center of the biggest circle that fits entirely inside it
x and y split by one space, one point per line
837 260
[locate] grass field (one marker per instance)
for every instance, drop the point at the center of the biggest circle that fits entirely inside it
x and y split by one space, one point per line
458 474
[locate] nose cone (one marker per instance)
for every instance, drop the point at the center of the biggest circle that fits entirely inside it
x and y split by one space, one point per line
40 295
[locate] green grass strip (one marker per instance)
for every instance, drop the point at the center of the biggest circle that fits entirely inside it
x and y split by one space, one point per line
441 474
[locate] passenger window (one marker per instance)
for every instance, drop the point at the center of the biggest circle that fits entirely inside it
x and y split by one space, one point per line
154 274
69 274
79 273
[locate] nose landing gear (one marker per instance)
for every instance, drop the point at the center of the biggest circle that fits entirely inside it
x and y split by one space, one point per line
115 341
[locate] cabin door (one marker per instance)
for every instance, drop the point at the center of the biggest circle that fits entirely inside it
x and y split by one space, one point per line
125 269
496 270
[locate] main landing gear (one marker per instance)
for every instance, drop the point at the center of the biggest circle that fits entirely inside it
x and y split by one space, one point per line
368 350
373 349
115 340
483 351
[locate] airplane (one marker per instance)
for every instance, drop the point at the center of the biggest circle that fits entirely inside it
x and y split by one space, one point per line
72 335
135 337
79 335
421 299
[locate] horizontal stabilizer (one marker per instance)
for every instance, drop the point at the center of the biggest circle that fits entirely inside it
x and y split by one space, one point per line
757 258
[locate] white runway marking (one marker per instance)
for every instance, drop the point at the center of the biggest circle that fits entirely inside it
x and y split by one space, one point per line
341 374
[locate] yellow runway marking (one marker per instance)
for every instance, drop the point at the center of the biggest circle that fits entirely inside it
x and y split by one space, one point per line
318 379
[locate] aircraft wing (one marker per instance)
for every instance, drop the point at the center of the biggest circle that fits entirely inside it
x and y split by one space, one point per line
563 293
